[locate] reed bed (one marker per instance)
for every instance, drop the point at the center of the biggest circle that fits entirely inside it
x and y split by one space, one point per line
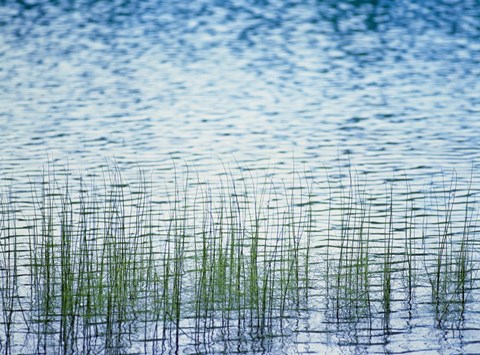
95 263
107 268
394 256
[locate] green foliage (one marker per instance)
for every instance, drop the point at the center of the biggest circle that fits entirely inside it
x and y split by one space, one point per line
101 264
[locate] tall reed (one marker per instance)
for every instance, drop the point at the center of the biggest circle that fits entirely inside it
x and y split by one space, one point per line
93 262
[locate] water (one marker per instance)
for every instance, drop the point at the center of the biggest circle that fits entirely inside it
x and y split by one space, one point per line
384 86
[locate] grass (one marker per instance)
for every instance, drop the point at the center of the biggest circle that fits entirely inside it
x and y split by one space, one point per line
378 253
94 263
451 258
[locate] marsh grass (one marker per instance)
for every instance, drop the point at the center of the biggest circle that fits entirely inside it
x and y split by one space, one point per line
9 271
110 268
449 253
350 266
380 248
95 263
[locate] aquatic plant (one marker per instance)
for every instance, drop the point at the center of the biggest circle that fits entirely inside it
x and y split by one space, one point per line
93 262
103 262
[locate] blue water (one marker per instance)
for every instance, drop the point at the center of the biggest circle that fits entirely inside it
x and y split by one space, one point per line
393 84
382 85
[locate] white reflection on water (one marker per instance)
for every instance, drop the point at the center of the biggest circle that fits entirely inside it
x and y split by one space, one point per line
385 85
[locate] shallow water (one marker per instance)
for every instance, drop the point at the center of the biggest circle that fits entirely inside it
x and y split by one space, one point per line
383 86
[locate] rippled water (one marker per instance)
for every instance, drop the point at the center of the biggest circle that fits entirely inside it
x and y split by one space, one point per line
386 86
394 84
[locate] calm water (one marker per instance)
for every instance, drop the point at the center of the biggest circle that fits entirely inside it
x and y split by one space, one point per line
382 85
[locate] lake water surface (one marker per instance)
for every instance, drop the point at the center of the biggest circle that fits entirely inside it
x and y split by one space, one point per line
387 87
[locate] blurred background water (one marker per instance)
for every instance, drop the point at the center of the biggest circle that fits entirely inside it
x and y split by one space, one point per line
393 84
382 85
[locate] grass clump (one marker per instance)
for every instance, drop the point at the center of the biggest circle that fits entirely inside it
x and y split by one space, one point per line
110 268
97 263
